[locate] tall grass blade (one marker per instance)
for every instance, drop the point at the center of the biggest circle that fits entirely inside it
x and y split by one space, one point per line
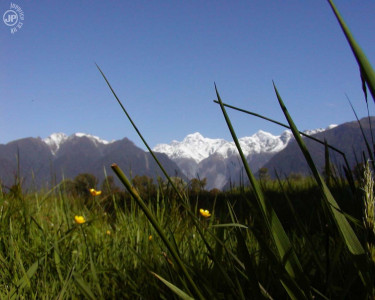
288 127
24 281
140 135
301 227
173 288
92 265
367 72
369 150
157 227
183 199
343 226
83 286
347 232
66 283
57 260
274 226
249 266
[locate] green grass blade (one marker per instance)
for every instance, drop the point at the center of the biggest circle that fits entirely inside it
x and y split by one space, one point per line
369 151
347 233
57 259
288 127
249 264
156 225
140 135
230 225
301 227
274 226
367 72
173 288
183 199
66 282
24 280
345 229
83 286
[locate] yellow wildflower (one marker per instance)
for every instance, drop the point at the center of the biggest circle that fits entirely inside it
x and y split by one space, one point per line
79 219
95 192
108 232
150 237
205 213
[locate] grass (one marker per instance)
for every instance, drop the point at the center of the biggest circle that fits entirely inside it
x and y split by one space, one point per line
300 239
117 253
108 256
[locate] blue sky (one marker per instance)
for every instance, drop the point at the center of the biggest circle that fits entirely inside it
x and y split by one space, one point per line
163 57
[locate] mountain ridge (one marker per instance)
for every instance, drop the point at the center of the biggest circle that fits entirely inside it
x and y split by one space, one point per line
217 160
261 141
47 161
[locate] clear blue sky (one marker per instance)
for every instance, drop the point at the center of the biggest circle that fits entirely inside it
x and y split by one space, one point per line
163 57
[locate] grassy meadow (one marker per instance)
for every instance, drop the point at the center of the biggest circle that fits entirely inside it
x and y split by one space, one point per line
290 238
114 251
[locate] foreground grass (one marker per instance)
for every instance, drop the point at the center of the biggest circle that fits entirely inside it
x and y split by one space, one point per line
108 256
45 254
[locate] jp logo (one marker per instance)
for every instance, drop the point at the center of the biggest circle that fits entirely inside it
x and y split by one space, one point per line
10 18
13 17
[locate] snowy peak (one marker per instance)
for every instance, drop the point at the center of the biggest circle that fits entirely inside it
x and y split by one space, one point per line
55 140
287 134
315 131
94 138
193 137
197 147
193 146
260 142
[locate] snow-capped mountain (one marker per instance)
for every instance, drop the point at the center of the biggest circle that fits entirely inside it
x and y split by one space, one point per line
217 160
59 156
55 140
196 147
315 131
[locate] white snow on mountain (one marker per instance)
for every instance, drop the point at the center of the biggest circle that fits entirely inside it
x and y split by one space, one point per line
94 138
331 126
55 140
315 131
197 147
193 146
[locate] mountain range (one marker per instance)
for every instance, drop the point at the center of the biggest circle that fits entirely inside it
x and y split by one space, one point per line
218 161
44 161
347 137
